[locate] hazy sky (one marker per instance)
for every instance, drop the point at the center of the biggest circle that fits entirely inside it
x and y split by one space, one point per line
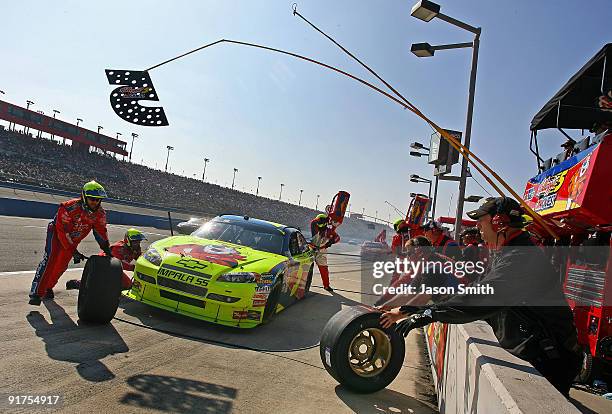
292 122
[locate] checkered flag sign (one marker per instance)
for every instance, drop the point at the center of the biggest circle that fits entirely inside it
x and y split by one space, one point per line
133 87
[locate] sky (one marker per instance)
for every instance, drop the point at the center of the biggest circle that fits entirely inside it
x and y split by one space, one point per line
295 123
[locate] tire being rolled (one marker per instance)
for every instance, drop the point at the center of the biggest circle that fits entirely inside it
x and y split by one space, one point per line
338 337
100 289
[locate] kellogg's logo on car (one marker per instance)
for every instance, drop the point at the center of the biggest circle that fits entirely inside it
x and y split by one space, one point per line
213 253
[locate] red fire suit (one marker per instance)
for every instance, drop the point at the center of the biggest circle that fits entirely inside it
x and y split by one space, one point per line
71 224
123 252
323 237
450 247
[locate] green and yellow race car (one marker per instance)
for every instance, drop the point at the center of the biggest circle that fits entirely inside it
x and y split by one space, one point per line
233 270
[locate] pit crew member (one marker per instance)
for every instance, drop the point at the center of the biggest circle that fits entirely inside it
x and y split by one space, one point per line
446 245
324 235
128 251
72 223
528 312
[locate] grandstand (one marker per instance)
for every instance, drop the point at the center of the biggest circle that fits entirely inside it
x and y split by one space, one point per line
46 163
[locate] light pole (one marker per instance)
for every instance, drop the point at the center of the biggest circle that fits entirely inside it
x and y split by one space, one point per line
204 173
27 129
170 148
426 10
39 135
9 124
79 120
300 202
55 112
234 178
281 192
418 146
134 135
258 180
317 205
99 128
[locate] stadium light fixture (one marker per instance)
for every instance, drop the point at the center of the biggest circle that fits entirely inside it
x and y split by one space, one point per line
258 181
417 154
422 49
79 120
99 128
170 148
425 10
134 135
29 103
234 178
317 205
418 146
118 135
204 173
300 201
281 192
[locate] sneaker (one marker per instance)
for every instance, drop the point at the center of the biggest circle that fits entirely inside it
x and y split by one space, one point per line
328 288
73 284
49 294
34 300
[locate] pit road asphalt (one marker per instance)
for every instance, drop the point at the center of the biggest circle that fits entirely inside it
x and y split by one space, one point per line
127 368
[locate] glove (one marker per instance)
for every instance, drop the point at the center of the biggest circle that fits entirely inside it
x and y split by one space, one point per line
105 246
417 320
77 257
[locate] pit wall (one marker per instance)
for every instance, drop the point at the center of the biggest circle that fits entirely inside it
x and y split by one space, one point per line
473 374
38 209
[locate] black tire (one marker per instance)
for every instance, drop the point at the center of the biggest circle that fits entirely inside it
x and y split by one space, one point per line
100 289
308 281
272 302
339 334
588 371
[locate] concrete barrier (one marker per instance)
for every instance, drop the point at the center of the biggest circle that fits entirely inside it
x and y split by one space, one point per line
39 209
473 374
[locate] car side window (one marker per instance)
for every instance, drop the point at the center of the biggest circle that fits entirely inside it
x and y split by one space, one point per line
294 245
303 244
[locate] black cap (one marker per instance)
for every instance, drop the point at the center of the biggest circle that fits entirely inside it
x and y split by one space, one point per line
499 205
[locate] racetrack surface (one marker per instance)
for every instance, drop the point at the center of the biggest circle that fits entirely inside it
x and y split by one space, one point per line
151 360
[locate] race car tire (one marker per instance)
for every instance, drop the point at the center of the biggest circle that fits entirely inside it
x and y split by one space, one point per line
309 280
588 369
360 354
100 289
272 302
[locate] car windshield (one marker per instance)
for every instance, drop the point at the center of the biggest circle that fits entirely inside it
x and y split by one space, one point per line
245 234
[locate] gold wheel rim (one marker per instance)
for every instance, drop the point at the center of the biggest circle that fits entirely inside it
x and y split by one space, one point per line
369 352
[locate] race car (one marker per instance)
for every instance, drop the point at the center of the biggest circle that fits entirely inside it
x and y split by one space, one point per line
234 270
191 225
374 250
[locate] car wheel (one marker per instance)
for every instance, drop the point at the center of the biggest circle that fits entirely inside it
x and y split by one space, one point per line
100 290
588 369
272 302
359 353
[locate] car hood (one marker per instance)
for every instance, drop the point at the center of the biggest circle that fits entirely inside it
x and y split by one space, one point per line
214 257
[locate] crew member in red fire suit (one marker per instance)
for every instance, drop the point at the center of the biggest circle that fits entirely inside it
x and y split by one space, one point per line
72 223
323 236
128 251
446 246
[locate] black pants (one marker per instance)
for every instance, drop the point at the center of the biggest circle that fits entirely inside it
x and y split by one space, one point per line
560 372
